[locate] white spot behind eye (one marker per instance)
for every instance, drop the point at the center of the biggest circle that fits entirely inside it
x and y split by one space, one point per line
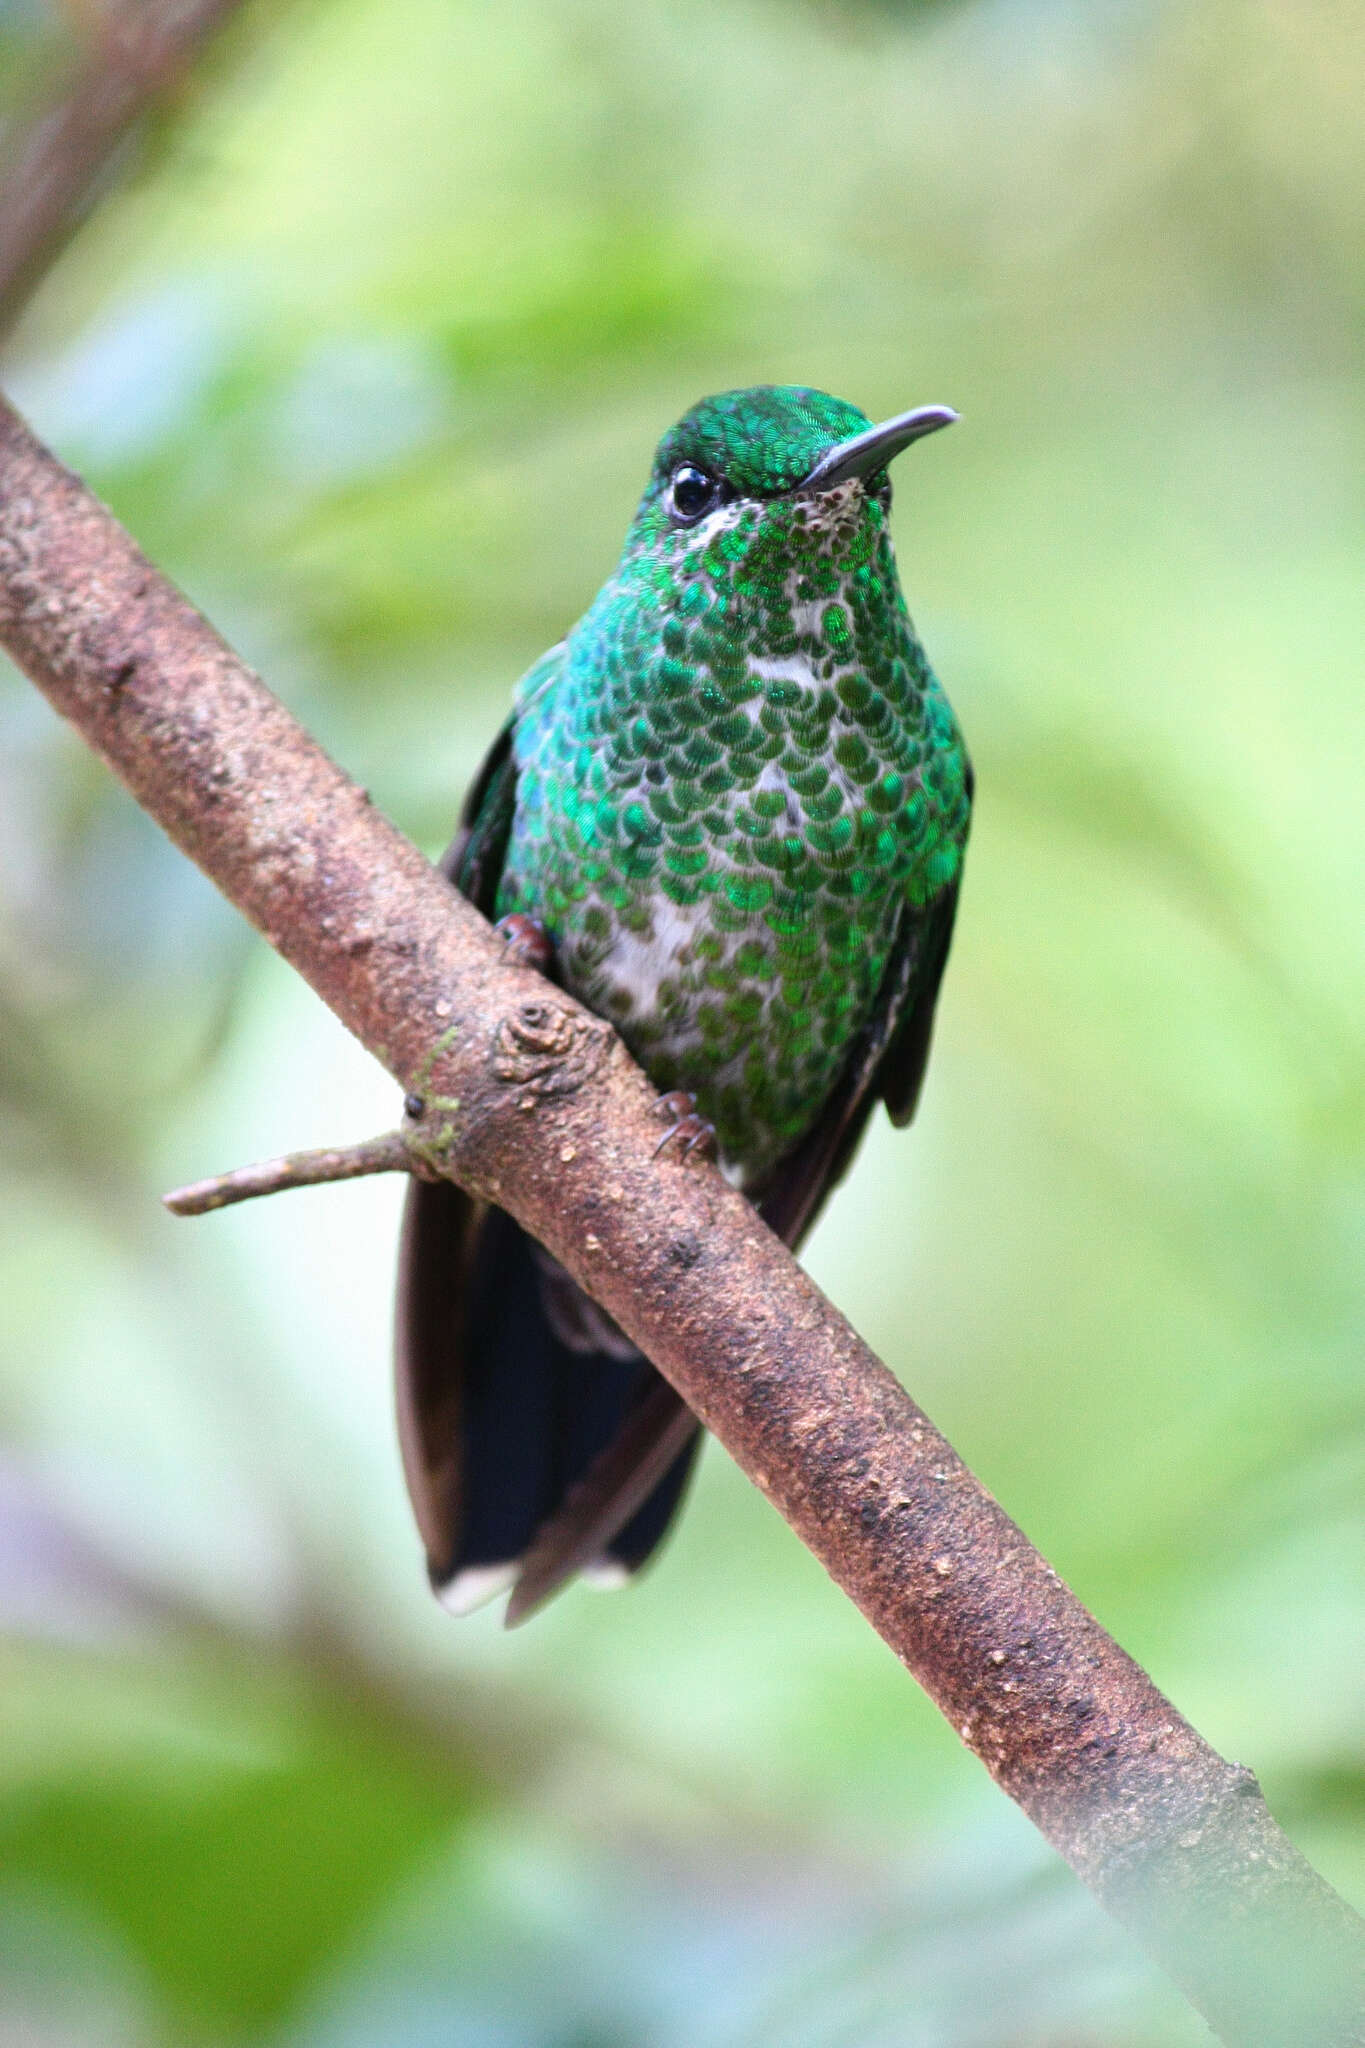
719 521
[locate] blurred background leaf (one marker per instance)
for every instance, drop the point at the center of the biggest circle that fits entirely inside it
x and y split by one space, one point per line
371 353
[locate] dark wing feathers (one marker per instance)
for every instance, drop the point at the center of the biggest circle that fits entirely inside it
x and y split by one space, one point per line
886 1065
473 860
901 1074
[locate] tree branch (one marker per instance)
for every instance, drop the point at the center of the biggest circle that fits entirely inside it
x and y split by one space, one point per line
54 168
541 1110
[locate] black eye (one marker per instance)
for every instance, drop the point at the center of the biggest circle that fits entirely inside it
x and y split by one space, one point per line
692 493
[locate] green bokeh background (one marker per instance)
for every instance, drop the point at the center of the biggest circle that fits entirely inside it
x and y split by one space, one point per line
371 355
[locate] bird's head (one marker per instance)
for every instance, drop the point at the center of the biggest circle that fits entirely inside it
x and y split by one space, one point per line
750 482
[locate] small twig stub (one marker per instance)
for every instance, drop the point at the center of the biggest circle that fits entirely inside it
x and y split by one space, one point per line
393 1152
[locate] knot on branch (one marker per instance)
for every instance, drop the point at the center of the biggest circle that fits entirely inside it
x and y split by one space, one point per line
548 1050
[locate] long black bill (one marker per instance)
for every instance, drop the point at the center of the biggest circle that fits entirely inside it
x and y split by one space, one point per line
875 447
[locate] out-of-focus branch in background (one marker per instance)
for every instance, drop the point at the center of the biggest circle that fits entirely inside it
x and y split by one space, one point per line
54 169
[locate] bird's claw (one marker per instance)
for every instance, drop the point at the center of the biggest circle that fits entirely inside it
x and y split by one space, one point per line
693 1132
527 941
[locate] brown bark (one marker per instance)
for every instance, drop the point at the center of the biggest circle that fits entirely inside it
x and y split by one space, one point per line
533 1102
54 169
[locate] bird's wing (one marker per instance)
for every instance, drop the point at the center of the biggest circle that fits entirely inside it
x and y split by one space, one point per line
886 1065
474 858
528 1454
473 861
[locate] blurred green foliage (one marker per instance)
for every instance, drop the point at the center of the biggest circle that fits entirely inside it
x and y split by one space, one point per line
371 355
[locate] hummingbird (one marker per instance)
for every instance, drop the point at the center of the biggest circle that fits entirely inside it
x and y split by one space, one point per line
728 813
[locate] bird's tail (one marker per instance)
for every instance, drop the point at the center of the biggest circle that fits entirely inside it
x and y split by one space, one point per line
537 1442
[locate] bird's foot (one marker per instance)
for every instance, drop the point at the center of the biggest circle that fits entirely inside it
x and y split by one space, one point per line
527 941
692 1132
